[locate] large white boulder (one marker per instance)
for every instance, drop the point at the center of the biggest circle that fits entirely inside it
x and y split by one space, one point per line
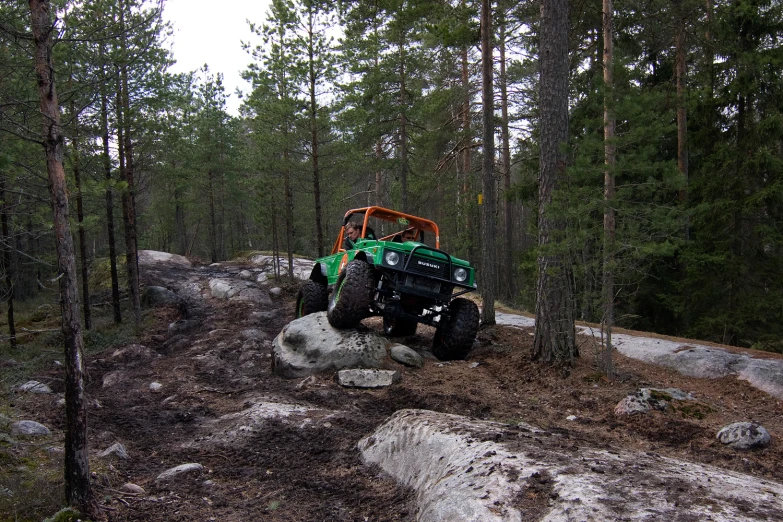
310 345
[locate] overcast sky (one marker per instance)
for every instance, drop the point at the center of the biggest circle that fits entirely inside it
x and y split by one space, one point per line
210 31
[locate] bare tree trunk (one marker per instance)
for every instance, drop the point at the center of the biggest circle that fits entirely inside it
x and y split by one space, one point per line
555 337
77 177
179 218
403 128
115 281
212 219
508 272
682 119
127 175
488 214
609 160
378 173
7 266
289 216
319 233
78 490
466 146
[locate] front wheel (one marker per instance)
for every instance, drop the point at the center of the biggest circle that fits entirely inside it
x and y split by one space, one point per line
312 298
352 295
454 338
398 327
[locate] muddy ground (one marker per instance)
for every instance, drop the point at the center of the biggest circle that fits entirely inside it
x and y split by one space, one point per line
285 473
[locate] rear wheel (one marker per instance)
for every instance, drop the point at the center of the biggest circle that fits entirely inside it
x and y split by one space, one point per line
399 327
312 298
454 338
352 295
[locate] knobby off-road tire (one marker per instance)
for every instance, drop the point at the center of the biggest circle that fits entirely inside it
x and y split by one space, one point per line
398 327
352 295
454 338
312 298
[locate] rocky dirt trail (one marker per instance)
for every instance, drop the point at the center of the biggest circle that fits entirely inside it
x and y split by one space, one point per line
198 389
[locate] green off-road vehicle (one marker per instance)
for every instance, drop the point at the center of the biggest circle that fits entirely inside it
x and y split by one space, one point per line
406 282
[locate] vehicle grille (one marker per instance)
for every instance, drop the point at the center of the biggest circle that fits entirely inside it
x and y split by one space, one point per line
428 267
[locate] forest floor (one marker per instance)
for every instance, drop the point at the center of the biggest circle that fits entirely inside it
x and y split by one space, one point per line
283 472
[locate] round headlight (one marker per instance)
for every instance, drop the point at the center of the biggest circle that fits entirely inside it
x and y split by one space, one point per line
460 274
391 258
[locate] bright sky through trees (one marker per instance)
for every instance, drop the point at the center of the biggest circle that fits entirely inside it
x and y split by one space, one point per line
210 31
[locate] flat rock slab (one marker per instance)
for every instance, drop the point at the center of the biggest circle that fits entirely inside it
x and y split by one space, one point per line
691 359
469 470
151 257
234 428
170 474
361 378
302 267
34 387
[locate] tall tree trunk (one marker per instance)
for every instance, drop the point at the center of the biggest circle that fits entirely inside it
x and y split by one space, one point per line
466 144
289 215
77 177
115 280
78 491
319 233
555 337
403 127
508 272
378 173
7 268
179 218
212 219
488 214
682 122
609 161
127 175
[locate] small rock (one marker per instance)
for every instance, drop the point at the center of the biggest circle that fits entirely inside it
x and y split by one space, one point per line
113 378
307 381
34 387
115 449
261 277
182 469
264 316
571 418
473 365
28 428
253 333
158 296
155 386
647 399
246 274
132 352
744 435
130 487
366 378
181 326
275 292
405 355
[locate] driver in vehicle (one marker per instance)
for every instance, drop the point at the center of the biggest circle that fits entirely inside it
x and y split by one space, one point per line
352 232
408 235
